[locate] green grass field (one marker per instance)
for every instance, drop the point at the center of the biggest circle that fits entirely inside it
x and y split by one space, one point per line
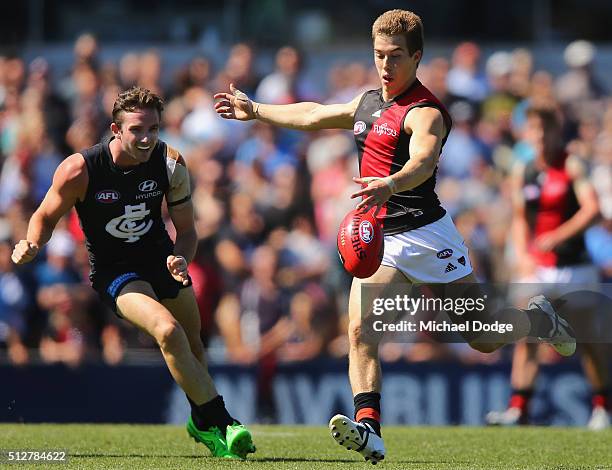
156 447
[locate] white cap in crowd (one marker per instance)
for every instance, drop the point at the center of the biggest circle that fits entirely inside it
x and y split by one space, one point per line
579 53
61 244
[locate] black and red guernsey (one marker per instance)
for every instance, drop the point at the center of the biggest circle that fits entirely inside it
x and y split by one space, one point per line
550 201
383 148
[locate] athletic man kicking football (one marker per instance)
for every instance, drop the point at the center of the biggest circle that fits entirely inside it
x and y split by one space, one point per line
117 188
399 129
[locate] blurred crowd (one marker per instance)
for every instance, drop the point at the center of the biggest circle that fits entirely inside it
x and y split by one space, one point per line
268 202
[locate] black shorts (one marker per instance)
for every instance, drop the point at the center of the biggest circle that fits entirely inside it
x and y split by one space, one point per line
108 281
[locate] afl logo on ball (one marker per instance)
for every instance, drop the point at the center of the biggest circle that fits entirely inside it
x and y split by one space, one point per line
108 196
359 127
148 185
366 231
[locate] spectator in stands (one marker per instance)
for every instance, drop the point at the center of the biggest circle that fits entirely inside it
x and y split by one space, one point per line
150 68
15 302
86 50
498 105
254 324
239 68
435 77
311 326
52 106
197 73
464 78
285 84
201 125
174 115
129 70
462 153
578 87
238 240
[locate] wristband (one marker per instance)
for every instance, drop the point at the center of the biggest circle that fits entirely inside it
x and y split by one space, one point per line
390 182
256 110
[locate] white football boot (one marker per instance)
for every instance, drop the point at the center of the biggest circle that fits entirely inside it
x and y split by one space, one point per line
511 417
600 419
359 437
561 336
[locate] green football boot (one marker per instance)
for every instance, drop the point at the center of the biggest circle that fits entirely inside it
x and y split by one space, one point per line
239 440
213 439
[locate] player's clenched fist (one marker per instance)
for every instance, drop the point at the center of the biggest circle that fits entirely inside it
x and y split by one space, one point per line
24 252
177 265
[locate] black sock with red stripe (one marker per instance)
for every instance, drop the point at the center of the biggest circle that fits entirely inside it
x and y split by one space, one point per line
601 398
520 399
367 409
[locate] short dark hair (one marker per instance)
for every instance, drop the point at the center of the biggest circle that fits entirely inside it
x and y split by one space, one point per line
548 115
401 22
552 126
136 98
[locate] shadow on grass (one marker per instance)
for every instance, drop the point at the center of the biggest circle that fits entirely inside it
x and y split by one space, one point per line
192 456
269 459
353 461
147 456
302 459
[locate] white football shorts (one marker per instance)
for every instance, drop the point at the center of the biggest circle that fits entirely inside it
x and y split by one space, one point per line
434 253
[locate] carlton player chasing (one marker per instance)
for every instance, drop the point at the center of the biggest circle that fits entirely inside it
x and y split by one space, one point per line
117 188
399 129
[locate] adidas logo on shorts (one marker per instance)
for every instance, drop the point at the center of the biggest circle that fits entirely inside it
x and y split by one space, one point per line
450 267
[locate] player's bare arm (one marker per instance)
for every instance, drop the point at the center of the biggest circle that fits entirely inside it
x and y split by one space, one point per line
519 226
69 186
583 218
305 116
427 129
180 209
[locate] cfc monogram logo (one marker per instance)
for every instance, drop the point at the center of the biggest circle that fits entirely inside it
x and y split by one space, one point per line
131 225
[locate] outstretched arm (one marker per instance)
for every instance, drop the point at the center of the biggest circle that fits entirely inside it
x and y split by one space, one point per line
519 227
306 116
69 186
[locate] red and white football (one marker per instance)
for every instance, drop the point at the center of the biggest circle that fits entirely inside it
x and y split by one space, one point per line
360 243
